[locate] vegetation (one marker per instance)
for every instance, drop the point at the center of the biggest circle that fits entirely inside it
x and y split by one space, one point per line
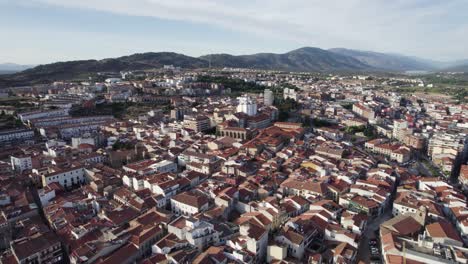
19 103
285 107
9 121
118 110
369 131
304 59
461 96
316 122
354 129
446 79
83 69
119 145
348 106
237 86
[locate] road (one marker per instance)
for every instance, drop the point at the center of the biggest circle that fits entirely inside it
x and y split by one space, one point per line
372 226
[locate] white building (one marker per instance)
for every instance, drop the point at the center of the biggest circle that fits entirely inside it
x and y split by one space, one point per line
42 114
254 239
16 135
198 233
189 203
399 129
247 105
76 141
268 97
21 163
448 143
66 178
289 93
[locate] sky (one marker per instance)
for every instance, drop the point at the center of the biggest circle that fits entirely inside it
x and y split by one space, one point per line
44 31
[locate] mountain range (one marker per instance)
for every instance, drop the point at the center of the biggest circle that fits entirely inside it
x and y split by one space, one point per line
6 68
307 59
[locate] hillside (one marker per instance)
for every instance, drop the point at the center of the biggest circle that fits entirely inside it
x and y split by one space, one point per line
7 68
457 68
386 61
304 59
82 68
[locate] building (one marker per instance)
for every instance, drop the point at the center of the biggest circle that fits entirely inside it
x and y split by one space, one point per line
455 144
38 248
463 177
235 132
253 240
26 116
417 142
198 233
259 121
21 163
197 123
199 162
396 152
448 150
400 129
268 97
247 105
75 130
66 178
189 203
364 111
11 136
289 93
179 113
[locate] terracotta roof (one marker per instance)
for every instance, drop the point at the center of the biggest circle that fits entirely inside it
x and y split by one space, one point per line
34 244
192 199
443 229
123 254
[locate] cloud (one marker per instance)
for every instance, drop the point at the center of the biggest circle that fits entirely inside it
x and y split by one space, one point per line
416 27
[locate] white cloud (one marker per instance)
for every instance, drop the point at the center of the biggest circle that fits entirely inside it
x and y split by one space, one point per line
416 27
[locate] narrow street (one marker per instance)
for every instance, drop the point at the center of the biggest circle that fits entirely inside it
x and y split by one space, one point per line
364 250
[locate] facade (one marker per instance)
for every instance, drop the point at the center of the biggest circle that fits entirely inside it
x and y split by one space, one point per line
197 123
21 163
396 152
448 150
43 114
10 136
198 233
66 178
417 142
179 113
268 97
235 132
400 129
189 204
39 248
363 111
76 130
289 93
247 105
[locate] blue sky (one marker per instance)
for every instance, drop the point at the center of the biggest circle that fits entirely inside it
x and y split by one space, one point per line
43 31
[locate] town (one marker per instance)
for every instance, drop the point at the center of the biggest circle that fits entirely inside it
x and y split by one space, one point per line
233 165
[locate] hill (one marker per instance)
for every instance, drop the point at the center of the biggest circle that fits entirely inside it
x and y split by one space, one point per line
457 68
7 68
303 59
81 69
387 61
306 59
